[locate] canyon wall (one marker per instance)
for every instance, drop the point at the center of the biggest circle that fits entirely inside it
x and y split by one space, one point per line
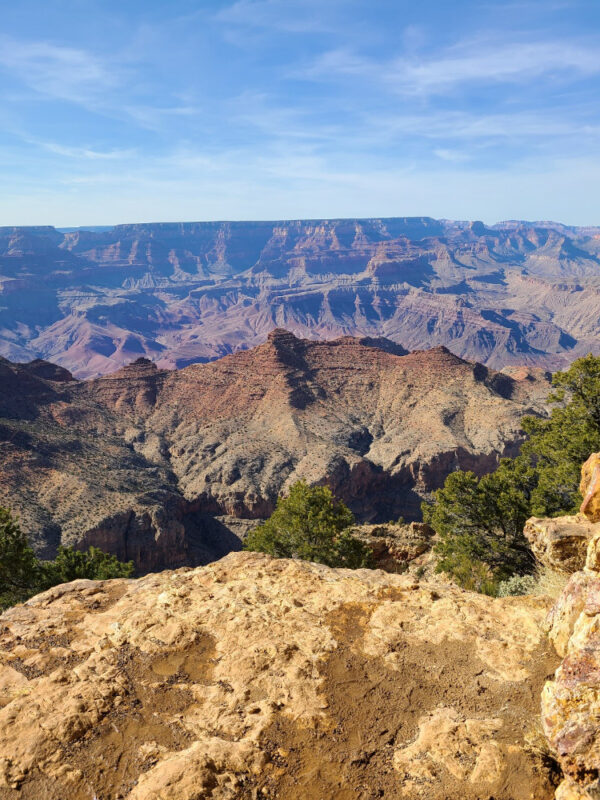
92 301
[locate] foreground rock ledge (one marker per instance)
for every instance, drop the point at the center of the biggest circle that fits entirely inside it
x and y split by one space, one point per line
253 678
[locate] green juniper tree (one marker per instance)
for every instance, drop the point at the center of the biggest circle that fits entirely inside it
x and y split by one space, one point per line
310 524
94 564
22 574
20 571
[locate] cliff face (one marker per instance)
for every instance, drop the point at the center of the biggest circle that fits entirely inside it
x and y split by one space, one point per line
257 678
158 466
516 293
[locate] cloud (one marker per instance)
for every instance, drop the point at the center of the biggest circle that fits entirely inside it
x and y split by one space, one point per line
454 156
291 16
85 153
472 62
65 73
498 63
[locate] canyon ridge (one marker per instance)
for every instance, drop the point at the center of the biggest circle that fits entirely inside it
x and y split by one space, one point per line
178 293
171 467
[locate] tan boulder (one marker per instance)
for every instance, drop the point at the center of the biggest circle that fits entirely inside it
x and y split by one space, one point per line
590 488
262 678
577 595
560 543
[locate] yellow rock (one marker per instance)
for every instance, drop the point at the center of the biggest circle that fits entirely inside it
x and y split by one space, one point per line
590 488
256 677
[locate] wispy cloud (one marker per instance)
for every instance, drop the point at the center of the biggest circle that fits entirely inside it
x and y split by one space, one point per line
85 153
477 61
291 16
65 73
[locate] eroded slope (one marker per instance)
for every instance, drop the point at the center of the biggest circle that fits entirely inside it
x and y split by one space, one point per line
141 462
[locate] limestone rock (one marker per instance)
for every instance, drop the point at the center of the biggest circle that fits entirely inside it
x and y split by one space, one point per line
568 607
560 543
590 488
571 702
254 677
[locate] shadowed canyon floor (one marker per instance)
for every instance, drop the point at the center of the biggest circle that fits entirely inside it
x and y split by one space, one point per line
178 293
168 468
256 678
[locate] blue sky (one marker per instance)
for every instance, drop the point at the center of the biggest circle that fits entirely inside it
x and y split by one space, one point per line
125 111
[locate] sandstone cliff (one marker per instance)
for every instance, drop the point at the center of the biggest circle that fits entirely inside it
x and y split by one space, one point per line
257 678
169 467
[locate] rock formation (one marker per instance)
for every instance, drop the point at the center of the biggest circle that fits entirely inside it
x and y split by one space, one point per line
571 702
257 678
515 293
169 468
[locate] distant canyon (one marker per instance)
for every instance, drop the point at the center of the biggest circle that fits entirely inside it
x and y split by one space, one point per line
515 293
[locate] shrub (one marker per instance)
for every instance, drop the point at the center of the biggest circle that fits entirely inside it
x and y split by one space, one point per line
311 525
517 585
94 564
20 571
22 574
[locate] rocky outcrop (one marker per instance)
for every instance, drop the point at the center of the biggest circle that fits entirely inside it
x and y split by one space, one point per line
560 543
141 461
396 547
590 488
258 678
571 702
514 294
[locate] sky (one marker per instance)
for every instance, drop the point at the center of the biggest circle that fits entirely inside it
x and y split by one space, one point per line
117 111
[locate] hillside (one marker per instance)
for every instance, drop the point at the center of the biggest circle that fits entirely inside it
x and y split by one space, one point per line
92 301
169 467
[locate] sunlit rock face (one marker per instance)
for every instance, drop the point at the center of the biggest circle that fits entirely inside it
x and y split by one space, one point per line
254 678
571 702
92 301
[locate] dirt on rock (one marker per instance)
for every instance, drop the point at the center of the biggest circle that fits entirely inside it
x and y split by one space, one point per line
261 678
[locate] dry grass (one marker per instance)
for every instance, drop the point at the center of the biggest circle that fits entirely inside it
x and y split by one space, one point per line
549 582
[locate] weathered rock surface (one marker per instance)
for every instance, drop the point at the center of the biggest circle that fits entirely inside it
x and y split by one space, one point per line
510 294
254 677
590 488
560 543
153 464
571 702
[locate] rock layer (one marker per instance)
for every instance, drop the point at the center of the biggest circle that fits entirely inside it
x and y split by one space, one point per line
254 677
154 465
515 293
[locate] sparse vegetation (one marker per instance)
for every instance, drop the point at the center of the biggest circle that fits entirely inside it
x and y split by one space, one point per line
517 585
311 525
22 574
480 520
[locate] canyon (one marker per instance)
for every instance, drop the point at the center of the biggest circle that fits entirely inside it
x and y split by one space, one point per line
515 293
169 468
